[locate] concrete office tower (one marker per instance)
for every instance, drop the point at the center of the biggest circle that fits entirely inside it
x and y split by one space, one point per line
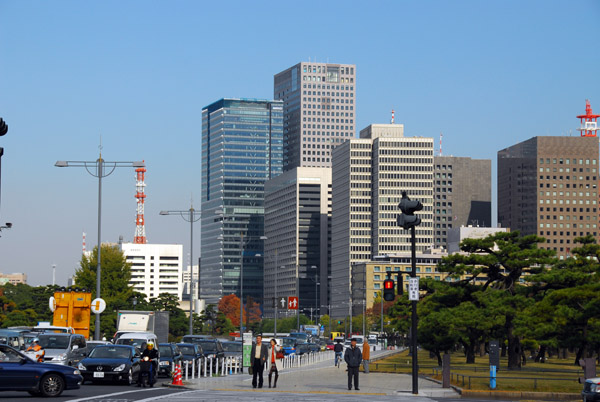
319 103
297 226
369 175
155 268
549 186
463 194
241 149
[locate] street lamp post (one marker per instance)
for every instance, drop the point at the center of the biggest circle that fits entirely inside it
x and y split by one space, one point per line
190 216
102 169
316 284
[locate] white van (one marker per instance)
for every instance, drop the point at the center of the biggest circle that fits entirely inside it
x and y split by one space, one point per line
138 339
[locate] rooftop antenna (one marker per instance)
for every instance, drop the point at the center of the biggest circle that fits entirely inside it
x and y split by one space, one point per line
589 121
441 136
392 121
140 195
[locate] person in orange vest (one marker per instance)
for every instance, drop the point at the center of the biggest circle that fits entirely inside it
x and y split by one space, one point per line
39 351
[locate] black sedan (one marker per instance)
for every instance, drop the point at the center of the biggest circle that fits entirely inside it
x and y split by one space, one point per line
169 356
115 363
192 352
20 373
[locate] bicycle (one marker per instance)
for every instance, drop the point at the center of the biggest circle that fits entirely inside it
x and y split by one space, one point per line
338 359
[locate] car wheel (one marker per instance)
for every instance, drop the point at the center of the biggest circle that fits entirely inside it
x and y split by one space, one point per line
52 385
129 379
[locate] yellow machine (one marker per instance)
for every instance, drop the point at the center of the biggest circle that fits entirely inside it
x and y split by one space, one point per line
73 309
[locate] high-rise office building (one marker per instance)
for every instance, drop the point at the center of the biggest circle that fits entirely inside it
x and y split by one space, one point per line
369 175
463 194
298 229
549 186
319 103
242 146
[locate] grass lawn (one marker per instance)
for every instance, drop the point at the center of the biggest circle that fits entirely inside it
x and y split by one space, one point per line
556 375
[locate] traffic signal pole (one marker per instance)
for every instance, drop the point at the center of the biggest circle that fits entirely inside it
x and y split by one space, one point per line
413 328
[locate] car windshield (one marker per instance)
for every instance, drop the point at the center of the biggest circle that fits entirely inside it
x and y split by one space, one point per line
187 350
9 355
208 346
232 347
110 352
165 351
289 341
131 341
54 342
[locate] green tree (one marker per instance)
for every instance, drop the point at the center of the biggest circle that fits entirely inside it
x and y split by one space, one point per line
499 261
115 288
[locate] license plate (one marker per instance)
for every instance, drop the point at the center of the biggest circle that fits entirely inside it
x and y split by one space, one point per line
98 374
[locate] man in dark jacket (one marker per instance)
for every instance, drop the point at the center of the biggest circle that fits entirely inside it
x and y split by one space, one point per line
353 358
152 354
338 349
258 359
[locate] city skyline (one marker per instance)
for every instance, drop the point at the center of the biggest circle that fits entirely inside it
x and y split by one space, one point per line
135 77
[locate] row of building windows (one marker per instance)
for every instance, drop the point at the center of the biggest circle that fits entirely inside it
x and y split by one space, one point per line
587 202
315 78
568 193
567 161
568 225
322 69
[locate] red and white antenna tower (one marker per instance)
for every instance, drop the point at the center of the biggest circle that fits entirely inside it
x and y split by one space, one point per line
84 249
589 121
140 195
441 136
392 122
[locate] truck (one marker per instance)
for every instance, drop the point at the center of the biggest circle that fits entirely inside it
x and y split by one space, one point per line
156 322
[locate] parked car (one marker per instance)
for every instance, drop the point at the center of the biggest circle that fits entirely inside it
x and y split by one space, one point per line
591 390
314 347
212 347
301 336
302 348
12 338
20 373
169 355
232 348
114 363
289 345
91 345
138 339
192 352
63 348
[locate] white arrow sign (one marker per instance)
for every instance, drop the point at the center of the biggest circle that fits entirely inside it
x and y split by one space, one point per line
283 302
98 306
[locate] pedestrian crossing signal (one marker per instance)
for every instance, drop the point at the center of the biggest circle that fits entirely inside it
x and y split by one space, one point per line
388 290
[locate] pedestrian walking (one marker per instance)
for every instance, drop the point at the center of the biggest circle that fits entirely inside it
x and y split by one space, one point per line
366 356
353 358
258 359
275 363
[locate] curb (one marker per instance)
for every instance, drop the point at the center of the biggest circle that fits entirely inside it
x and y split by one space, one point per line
557 396
167 385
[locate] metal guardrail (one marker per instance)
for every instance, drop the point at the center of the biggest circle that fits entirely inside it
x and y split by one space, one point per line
460 378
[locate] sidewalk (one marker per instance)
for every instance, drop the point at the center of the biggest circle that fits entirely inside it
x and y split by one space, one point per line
324 378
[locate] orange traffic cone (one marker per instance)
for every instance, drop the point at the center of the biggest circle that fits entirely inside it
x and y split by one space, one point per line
177 376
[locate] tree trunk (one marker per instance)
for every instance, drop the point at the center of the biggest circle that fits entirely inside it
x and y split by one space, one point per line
541 355
470 352
514 347
439 357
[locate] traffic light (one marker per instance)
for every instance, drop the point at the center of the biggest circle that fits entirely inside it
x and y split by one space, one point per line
400 283
388 290
407 218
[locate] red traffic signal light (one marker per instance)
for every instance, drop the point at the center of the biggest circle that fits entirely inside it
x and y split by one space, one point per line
388 290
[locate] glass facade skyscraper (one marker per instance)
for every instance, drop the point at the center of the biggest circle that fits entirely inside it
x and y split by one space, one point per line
242 148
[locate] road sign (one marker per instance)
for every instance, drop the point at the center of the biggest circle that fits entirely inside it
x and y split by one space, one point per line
282 302
52 303
98 306
413 289
292 303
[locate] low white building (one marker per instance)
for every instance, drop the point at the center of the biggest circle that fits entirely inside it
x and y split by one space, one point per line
456 235
155 268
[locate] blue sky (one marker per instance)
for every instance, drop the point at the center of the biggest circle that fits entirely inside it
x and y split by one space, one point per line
487 74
